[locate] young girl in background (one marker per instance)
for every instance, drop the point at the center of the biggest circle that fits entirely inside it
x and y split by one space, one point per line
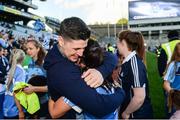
16 74
134 76
172 75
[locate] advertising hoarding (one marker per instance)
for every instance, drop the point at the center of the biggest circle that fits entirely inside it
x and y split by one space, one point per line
149 9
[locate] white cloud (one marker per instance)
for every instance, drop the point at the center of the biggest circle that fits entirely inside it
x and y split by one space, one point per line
101 11
58 2
104 11
69 4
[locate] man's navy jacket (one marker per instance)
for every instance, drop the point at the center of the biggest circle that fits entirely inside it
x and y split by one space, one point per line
64 79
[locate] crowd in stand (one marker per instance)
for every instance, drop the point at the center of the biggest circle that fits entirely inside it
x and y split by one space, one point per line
75 78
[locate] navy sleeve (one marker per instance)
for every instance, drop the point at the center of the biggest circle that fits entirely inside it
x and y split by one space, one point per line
162 62
109 64
138 73
66 81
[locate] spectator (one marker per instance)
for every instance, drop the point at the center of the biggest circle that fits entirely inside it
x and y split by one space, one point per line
110 48
134 76
16 74
174 99
172 76
4 67
166 51
37 53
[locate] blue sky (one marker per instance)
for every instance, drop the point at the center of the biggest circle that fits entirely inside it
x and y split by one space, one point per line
91 11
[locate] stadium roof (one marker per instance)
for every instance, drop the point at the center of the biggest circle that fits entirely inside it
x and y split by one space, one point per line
10 15
20 3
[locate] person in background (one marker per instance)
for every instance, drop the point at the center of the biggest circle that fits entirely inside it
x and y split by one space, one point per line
110 48
10 45
16 74
4 67
35 67
172 74
166 51
133 75
174 100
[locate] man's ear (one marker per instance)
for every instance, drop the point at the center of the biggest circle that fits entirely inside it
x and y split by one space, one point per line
61 41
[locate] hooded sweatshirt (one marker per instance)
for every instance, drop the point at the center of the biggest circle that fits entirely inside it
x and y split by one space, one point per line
64 79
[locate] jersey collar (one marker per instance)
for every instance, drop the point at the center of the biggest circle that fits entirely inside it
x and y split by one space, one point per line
129 57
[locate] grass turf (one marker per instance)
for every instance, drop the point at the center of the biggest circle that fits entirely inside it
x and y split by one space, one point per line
155 86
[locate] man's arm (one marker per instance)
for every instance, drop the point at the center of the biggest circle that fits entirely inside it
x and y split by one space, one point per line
59 108
109 64
68 82
94 77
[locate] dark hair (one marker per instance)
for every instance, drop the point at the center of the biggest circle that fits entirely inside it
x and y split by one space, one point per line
74 28
93 57
93 54
1 48
38 80
173 35
173 99
11 36
41 54
134 40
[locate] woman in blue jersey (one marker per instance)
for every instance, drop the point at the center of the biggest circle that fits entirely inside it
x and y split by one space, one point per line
93 57
172 75
36 51
134 76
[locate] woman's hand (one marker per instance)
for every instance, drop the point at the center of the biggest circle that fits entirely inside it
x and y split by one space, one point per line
29 89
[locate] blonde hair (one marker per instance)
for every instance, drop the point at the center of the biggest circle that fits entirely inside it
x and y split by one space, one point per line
175 57
17 57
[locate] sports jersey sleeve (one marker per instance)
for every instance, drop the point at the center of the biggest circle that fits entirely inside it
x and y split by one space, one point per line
19 75
169 76
72 105
138 76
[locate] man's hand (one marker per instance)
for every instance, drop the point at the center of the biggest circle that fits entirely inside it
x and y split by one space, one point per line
93 78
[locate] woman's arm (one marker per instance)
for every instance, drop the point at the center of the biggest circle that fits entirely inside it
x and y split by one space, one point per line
59 108
30 89
166 86
20 108
135 103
